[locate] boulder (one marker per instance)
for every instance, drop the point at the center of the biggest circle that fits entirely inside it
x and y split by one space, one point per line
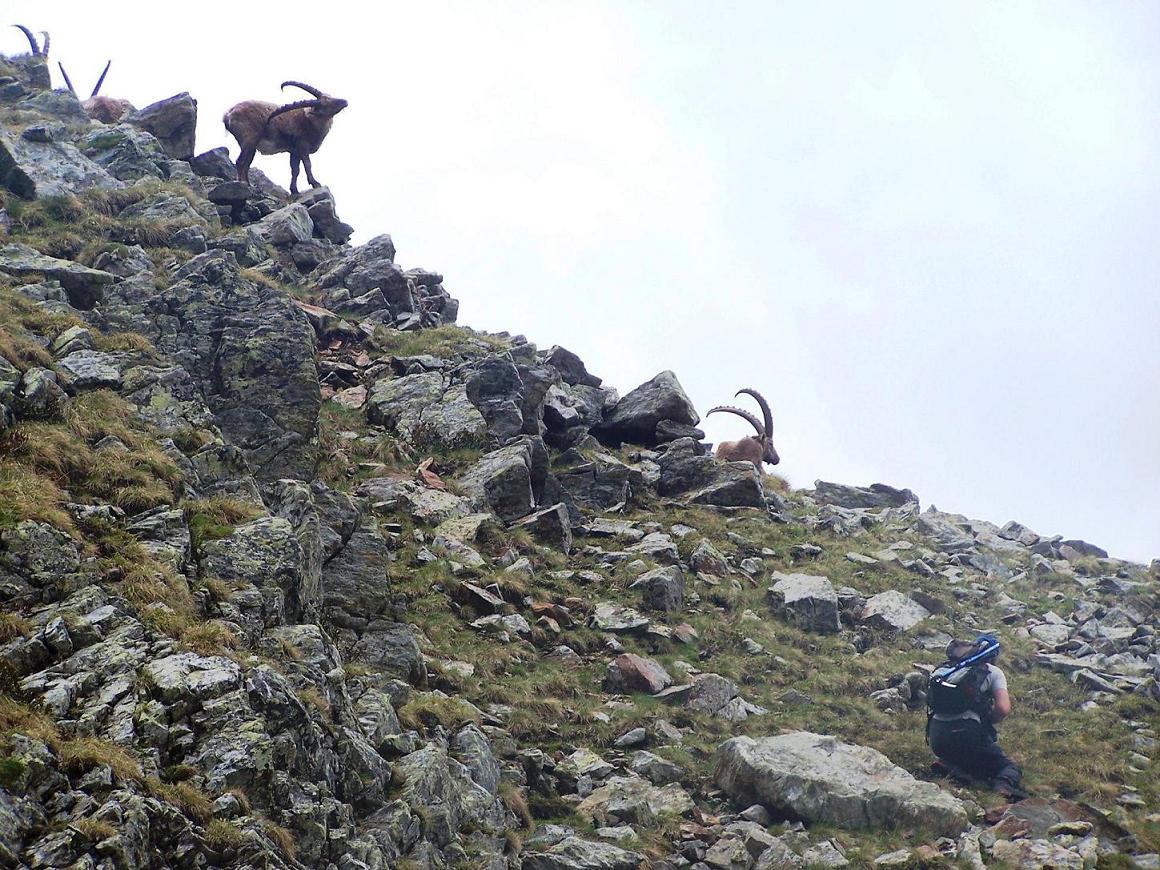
662 589
172 121
574 853
91 370
632 673
893 611
877 495
286 226
126 153
687 469
32 169
442 789
319 204
818 778
807 601
83 285
631 800
635 417
506 481
551 527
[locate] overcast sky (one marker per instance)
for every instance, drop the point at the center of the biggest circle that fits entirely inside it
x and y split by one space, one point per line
927 232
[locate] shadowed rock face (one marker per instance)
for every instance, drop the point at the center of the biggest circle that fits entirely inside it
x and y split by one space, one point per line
249 349
820 779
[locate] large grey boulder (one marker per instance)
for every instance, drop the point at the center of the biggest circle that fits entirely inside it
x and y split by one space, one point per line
893 611
806 600
32 169
507 481
573 853
249 349
91 370
423 410
598 481
662 589
877 495
172 121
126 152
818 778
436 785
84 286
632 800
510 396
687 469
635 417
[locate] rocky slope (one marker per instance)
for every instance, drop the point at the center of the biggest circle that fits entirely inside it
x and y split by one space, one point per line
294 572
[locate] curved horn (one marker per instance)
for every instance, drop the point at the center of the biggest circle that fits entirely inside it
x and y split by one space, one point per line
67 80
101 80
290 107
764 407
31 39
740 413
317 93
47 41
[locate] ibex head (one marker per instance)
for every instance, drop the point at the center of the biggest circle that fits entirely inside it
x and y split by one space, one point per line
764 436
322 104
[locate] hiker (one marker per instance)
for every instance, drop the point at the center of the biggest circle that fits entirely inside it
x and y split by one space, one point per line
966 697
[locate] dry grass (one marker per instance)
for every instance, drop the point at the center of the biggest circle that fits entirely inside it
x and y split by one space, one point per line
82 754
424 710
213 637
513 798
190 800
93 829
222 835
215 518
13 625
282 838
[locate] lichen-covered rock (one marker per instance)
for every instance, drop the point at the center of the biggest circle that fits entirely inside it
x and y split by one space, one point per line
435 784
84 286
91 370
631 799
574 853
33 169
662 589
820 779
249 349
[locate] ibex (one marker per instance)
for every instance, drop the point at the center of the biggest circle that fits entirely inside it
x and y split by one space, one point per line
37 49
753 448
107 110
298 128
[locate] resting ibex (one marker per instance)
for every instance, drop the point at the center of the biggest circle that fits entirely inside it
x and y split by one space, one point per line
298 128
753 448
107 110
37 49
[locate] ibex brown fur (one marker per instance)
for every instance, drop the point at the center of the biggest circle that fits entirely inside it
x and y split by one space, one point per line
297 128
107 110
753 448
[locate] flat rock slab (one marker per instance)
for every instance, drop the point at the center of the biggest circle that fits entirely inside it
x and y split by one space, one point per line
574 853
818 778
893 611
82 284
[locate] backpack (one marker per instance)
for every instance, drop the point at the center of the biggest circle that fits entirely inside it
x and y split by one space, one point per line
947 698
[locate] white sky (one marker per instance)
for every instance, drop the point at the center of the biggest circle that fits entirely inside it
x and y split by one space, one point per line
927 232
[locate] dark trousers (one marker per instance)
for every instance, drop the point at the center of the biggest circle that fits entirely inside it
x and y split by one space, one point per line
971 747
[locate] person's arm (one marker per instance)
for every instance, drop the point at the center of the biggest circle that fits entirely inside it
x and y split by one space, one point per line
1002 708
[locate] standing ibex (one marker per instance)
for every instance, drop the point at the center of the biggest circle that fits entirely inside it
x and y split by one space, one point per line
107 110
753 448
298 128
